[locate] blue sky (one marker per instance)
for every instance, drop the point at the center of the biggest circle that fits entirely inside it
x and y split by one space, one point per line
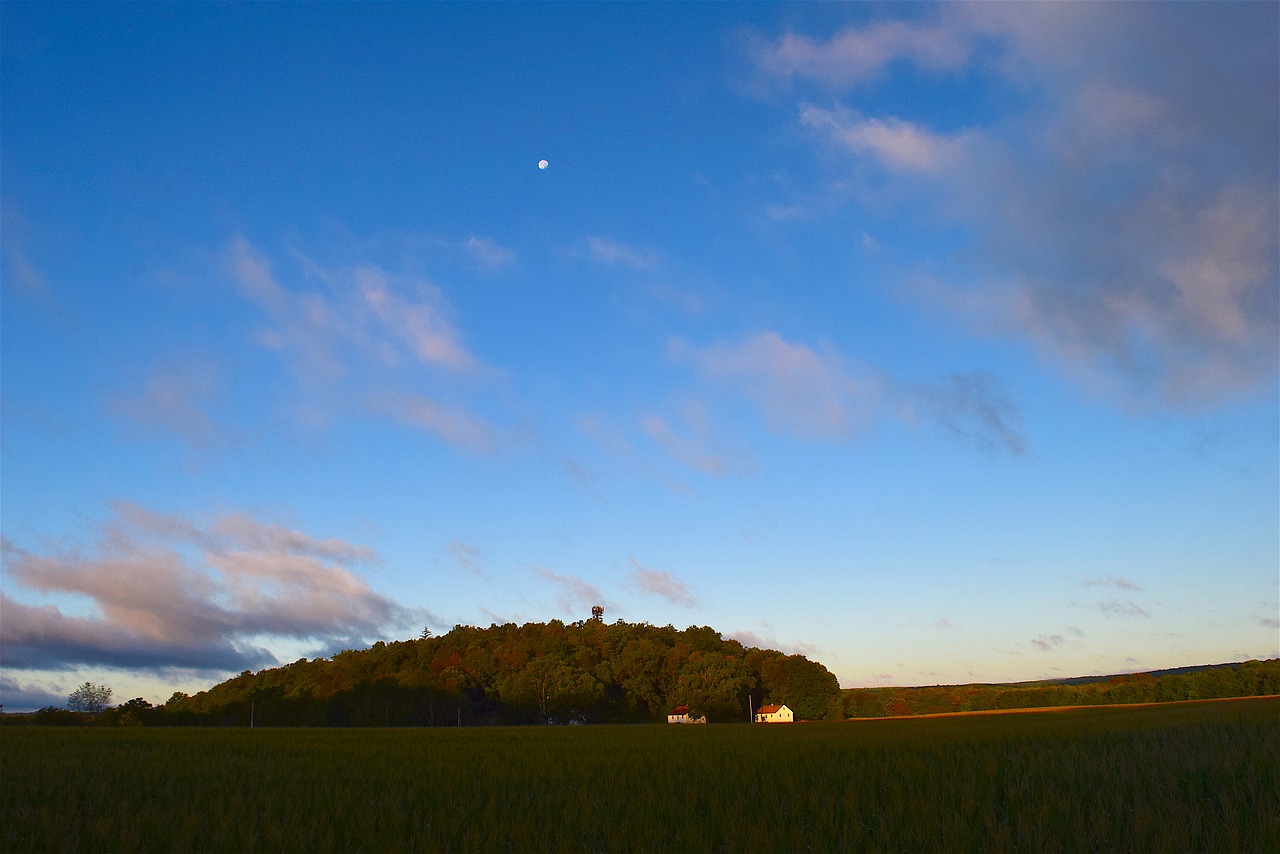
938 343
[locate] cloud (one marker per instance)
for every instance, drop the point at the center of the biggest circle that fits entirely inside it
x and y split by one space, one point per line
812 394
798 390
168 592
766 639
898 145
418 324
576 595
22 271
858 55
362 312
690 452
1117 608
973 407
606 250
1112 581
1044 643
489 254
1123 216
662 584
452 424
16 696
175 402
467 557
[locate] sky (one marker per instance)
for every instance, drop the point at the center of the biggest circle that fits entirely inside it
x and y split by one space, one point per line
937 343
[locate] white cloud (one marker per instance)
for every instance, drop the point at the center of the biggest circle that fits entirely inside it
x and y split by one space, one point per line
860 54
490 254
897 144
606 250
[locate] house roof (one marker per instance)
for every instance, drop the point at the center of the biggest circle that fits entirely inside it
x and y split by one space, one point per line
769 710
680 710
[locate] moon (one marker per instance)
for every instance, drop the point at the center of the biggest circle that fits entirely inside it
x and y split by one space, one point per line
542 164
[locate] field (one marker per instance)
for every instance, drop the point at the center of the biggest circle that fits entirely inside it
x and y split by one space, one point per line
1175 777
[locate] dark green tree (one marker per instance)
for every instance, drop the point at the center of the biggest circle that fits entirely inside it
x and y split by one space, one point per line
89 698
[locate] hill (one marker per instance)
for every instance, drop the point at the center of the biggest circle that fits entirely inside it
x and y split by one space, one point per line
587 671
1197 682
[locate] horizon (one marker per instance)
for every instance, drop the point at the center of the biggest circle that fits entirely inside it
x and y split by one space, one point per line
938 343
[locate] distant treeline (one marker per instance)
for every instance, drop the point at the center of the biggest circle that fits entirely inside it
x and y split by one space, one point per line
586 672
1250 679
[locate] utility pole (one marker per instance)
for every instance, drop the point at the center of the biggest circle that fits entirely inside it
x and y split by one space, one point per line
751 709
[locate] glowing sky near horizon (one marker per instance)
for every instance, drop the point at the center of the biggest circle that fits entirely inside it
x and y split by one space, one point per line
936 342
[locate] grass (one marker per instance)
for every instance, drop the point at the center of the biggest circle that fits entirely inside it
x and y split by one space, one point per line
1176 777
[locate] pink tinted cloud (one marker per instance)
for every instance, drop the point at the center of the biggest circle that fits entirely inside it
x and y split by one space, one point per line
662 584
172 592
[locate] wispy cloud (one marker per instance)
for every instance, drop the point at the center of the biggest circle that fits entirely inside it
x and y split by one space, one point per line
1123 609
176 401
606 250
860 54
22 271
1112 581
1044 643
897 144
797 389
662 584
973 407
813 394
358 312
1126 221
767 639
691 451
169 592
450 423
489 253
468 557
575 595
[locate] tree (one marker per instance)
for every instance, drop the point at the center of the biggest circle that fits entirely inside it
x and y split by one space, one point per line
89 698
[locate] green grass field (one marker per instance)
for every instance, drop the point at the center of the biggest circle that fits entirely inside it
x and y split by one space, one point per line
1175 777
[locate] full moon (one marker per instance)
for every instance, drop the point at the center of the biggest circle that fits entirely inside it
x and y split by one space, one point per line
542 164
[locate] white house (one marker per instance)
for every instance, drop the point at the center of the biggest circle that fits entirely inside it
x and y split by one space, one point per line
774 715
682 715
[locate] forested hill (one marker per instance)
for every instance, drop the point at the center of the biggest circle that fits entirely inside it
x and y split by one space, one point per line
587 671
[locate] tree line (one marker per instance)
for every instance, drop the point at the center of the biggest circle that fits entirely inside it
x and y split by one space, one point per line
1248 679
587 672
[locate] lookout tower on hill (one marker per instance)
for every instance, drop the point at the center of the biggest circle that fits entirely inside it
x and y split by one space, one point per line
597 613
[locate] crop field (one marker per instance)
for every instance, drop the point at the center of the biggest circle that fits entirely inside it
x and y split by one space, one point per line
1175 777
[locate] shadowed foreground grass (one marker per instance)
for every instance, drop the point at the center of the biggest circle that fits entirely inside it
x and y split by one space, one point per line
1176 777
